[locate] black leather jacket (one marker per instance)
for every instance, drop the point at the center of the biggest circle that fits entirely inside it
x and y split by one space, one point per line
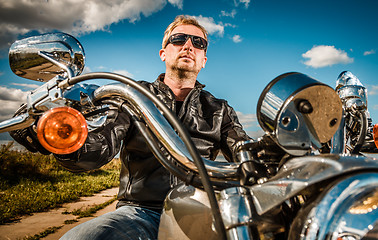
211 122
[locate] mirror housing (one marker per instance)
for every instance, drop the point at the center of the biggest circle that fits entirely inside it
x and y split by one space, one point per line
43 57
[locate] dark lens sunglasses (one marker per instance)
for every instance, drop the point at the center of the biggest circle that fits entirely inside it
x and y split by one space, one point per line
181 38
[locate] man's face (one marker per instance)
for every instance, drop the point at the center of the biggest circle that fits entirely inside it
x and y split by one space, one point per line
186 57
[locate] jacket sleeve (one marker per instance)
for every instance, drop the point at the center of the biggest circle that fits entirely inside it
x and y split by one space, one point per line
231 133
100 147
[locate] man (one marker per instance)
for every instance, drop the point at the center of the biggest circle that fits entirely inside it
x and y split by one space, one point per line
144 183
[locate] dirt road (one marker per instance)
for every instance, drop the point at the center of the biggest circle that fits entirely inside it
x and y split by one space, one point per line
40 222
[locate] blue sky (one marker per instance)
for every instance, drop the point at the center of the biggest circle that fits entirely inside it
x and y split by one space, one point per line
250 43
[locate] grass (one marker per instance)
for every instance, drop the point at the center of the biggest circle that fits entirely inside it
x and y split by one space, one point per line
44 233
89 212
78 212
32 182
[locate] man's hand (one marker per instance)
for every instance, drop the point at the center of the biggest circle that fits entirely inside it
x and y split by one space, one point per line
27 137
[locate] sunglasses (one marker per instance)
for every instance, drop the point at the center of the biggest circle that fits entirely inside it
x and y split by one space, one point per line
181 38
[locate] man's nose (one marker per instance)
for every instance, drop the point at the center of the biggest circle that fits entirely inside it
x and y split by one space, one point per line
188 45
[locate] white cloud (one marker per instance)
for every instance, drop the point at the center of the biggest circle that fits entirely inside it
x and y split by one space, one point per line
250 124
71 16
247 120
372 90
209 24
228 14
237 39
178 3
12 94
26 85
106 69
86 70
9 31
369 52
256 134
10 100
8 109
124 73
230 25
245 2
322 56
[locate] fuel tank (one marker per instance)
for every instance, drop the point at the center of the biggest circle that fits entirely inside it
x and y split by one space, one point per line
186 215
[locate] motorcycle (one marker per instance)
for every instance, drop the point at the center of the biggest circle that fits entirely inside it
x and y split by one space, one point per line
305 178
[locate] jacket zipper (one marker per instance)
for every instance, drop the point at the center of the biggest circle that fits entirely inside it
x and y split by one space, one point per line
128 186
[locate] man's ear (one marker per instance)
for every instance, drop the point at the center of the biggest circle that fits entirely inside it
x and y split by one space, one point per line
204 62
162 54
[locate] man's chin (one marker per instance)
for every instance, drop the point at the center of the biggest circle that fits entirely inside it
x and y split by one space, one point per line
185 67
185 72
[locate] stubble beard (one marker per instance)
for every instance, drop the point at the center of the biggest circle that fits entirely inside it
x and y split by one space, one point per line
184 72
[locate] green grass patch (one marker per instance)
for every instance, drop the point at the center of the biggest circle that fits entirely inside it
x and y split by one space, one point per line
90 211
71 221
32 182
43 234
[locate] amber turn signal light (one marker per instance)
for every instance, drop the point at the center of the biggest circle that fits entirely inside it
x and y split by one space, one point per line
375 134
62 130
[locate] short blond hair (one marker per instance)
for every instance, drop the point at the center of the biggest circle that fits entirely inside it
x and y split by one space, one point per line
181 20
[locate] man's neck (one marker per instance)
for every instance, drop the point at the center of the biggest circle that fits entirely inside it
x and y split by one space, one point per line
180 85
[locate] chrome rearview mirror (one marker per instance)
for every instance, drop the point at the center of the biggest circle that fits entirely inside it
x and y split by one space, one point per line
43 57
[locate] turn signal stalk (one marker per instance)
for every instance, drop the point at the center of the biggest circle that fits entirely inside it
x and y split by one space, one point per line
62 130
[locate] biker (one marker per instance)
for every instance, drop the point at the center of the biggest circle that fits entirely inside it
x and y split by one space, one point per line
144 182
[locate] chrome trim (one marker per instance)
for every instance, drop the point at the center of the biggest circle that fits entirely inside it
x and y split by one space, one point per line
275 95
96 122
301 172
347 209
346 78
43 98
50 57
47 96
243 150
339 138
353 92
236 212
163 130
19 122
299 111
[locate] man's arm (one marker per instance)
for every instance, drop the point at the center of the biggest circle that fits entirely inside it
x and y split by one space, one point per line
100 147
232 132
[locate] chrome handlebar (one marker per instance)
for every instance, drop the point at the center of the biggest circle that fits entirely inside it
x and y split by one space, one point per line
163 130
